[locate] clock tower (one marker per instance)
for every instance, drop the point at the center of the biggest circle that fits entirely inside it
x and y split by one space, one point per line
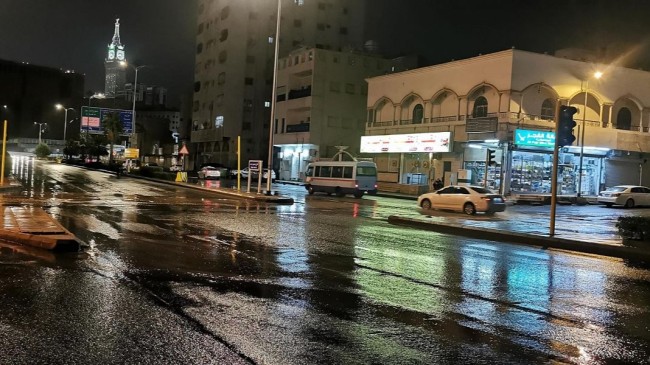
114 72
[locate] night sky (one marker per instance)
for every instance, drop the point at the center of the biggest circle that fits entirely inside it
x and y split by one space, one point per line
161 33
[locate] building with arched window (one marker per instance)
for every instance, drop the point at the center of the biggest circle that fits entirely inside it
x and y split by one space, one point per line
505 102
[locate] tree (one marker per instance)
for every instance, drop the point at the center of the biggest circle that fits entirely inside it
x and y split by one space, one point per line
113 129
72 147
42 150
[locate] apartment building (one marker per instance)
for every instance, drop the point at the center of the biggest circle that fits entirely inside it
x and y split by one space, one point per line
234 66
321 98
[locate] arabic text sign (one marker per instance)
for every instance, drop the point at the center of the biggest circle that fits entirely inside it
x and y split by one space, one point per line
407 143
525 137
91 119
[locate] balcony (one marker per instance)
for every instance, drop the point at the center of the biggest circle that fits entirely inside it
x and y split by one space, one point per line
206 135
297 128
300 93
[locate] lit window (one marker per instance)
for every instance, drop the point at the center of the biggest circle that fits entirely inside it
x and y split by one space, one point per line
271 40
267 104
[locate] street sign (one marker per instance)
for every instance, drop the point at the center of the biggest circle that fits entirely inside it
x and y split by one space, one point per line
91 119
131 153
254 166
184 151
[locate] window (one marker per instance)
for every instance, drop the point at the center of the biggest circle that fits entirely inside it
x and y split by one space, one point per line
223 35
250 59
447 190
200 29
335 87
219 100
624 119
270 40
461 191
418 114
325 171
480 107
366 171
199 48
343 31
297 23
347 172
252 15
337 171
321 6
221 78
246 126
548 109
299 2
223 56
320 26
197 86
317 171
349 88
248 81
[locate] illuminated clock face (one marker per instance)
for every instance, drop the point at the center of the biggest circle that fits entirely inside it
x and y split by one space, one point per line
111 54
120 55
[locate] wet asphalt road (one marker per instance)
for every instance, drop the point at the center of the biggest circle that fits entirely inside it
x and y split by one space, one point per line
174 275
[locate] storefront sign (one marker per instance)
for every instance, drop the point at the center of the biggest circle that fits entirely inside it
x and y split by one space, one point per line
407 143
525 137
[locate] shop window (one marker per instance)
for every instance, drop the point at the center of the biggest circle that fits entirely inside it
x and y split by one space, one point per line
548 110
624 119
418 114
480 107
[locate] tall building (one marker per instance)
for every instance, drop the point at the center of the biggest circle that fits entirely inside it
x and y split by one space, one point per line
115 73
234 66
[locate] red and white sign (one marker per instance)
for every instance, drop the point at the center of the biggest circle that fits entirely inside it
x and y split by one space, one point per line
184 151
407 143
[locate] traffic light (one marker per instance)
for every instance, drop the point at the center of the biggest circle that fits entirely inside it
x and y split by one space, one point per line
491 157
565 126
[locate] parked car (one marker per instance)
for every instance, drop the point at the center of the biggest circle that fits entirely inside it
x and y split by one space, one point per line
210 172
244 173
266 175
628 196
467 199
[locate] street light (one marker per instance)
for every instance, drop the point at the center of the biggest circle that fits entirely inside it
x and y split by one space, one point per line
135 87
40 129
65 118
597 75
273 97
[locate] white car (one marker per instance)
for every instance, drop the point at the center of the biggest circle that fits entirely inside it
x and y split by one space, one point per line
266 175
628 196
209 172
244 173
467 199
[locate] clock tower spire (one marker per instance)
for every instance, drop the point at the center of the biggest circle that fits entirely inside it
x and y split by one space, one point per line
114 72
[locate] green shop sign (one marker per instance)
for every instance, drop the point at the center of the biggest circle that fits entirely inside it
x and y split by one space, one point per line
525 137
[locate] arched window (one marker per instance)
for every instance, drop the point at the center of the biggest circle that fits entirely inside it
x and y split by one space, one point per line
548 109
480 107
624 119
418 114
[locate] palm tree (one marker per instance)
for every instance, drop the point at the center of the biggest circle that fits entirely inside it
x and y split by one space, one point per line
112 126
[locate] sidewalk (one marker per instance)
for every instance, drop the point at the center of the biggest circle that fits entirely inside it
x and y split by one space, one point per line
31 226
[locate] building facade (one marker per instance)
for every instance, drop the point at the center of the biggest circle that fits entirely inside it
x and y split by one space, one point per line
321 97
115 73
234 66
505 102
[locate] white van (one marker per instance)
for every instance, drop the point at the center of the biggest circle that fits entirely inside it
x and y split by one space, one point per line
342 177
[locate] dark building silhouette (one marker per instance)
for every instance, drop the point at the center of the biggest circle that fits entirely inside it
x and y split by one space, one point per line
30 94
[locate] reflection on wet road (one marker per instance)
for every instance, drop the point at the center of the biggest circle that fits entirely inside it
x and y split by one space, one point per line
175 275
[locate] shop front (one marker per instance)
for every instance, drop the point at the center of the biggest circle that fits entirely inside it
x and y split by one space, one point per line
294 159
531 166
409 163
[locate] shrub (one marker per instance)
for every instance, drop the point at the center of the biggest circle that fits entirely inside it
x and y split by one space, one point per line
634 228
42 150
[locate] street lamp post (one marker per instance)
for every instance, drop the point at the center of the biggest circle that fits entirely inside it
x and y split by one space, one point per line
40 129
65 118
596 75
135 87
273 97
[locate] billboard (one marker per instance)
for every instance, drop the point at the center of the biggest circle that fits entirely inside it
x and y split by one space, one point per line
407 143
91 119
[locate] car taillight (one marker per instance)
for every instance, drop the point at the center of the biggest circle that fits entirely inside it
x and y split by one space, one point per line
356 183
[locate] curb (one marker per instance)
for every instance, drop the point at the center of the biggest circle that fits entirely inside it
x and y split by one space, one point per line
251 196
58 243
622 252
